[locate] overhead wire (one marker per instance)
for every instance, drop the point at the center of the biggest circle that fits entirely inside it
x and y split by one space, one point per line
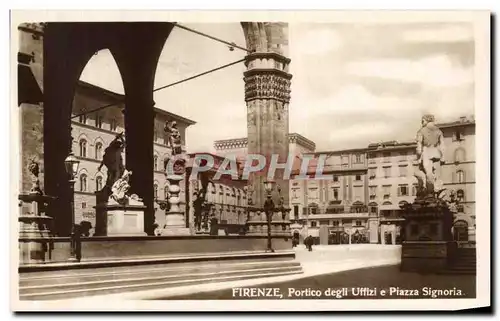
230 44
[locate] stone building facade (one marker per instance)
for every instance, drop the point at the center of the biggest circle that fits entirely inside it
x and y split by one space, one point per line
92 132
361 202
226 196
331 209
459 172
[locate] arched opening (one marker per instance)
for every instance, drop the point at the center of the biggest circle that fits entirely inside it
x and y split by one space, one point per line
155 190
460 231
155 162
98 183
83 148
373 208
92 91
103 36
179 59
98 150
313 208
83 182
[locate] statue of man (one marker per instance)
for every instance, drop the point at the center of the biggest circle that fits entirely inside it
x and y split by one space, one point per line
430 153
174 137
113 160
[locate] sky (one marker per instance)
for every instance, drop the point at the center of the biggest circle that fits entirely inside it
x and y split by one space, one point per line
353 84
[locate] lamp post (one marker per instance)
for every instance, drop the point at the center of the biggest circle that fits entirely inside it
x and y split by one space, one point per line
269 210
71 164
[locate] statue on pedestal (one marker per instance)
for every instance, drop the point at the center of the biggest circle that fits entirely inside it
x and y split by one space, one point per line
174 140
113 160
34 169
175 168
119 191
430 153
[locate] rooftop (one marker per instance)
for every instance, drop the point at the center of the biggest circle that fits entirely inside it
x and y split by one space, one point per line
243 141
119 99
462 121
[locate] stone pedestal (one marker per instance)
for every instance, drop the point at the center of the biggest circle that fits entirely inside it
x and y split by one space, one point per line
35 241
120 220
428 245
175 222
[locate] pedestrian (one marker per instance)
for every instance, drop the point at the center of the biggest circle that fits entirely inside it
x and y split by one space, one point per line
309 243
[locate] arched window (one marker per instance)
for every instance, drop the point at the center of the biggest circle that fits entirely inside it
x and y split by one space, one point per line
83 148
98 151
98 183
155 162
460 176
83 183
460 195
460 231
459 155
165 162
155 190
313 208
165 191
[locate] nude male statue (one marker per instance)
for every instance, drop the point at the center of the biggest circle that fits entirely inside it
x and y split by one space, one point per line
430 155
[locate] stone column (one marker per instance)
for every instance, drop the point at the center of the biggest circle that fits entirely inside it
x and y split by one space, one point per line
267 93
63 60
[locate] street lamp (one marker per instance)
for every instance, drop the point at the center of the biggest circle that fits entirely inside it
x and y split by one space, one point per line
269 210
71 164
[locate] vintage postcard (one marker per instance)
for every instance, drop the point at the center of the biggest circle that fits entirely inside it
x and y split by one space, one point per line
250 161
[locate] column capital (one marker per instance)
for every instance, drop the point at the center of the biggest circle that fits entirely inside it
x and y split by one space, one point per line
267 84
265 57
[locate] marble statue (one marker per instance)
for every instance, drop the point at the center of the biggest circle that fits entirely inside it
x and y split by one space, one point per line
174 137
34 169
113 160
430 153
120 191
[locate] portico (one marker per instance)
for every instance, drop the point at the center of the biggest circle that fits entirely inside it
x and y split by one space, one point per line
74 43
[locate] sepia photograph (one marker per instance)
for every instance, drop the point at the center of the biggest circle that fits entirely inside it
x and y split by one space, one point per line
250 161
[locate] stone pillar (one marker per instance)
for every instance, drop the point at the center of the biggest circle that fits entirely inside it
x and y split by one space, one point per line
139 120
138 68
63 61
30 98
267 93
175 223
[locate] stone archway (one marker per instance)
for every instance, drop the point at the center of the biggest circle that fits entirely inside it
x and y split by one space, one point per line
68 46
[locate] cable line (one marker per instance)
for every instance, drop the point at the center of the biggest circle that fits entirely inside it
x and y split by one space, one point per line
230 44
164 87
